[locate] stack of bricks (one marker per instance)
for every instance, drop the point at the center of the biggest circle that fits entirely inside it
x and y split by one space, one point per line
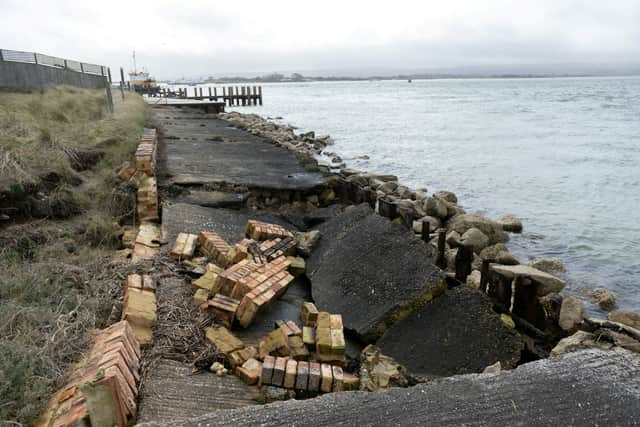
214 247
139 308
146 152
185 246
229 278
311 377
258 230
102 388
257 276
330 344
222 308
262 296
148 199
275 248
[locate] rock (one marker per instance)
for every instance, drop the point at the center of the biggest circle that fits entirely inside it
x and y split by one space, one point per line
453 239
571 313
475 238
553 266
473 279
378 371
447 195
493 369
457 333
327 197
405 192
435 207
371 271
510 223
307 241
507 321
463 222
578 341
628 318
546 282
216 366
505 258
604 298
274 394
388 187
491 252
434 223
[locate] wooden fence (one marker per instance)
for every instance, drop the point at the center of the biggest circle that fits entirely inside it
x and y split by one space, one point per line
55 62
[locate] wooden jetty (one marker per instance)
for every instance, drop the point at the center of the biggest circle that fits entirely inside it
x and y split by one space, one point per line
229 95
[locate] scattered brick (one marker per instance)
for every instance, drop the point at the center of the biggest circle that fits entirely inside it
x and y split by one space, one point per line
223 340
258 230
222 308
275 344
290 374
278 371
214 247
200 297
250 371
184 247
338 378
315 376
267 369
208 281
327 378
309 337
239 357
309 314
302 377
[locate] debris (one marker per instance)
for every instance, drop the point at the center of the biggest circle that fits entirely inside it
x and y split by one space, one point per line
223 340
379 371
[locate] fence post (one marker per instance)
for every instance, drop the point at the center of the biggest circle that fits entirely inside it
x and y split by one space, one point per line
2 58
122 82
441 261
35 57
81 67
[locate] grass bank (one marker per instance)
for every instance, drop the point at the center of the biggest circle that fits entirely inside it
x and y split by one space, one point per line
61 208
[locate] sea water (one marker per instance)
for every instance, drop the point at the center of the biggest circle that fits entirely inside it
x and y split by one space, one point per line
562 154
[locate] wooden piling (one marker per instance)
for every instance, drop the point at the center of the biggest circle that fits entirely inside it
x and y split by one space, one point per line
426 225
260 94
441 260
215 94
122 82
464 258
244 99
484 274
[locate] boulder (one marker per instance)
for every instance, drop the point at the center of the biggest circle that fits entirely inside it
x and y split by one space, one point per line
571 313
493 369
604 298
378 371
307 241
628 318
578 341
473 279
505 258
388 187
453 239
553 266
510 223
447 195
463 222
371 271
475 238
435 207
457 333
546 283
491 252
434 223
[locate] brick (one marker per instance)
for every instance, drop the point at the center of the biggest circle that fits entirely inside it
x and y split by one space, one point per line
208 281
184 246
258 230
250 371
302 376
200 297
222 308
147 199
350 382
337 378
297 349
278 371
276 343
213 246
140 308
315 376
224 341
326 382
323 340
309 314
239 357
290 374
337 341
324 320
229 277
143 334
309 337
293 328
267 370
297 265
149 283
335 321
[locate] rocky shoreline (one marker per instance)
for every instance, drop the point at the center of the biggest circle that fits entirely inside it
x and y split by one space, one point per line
559 315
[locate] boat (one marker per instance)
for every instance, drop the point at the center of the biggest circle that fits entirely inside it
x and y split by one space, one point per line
141 81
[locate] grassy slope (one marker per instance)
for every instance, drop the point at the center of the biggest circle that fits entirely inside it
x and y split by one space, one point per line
57 276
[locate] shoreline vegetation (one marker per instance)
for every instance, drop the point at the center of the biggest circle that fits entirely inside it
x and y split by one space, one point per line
61 207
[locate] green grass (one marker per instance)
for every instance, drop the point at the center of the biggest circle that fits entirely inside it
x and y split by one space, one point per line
59 279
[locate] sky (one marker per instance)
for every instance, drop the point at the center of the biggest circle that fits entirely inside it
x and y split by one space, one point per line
195 38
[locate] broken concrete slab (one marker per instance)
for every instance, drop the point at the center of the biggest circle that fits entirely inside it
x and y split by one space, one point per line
576 387
229 155
371 271
546 282
214 199
458 333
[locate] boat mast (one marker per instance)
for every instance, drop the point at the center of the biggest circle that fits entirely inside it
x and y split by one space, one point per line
135 68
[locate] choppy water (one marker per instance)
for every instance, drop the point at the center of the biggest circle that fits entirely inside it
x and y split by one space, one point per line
562 154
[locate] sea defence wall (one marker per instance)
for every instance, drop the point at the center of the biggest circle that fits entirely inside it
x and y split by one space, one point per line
27 70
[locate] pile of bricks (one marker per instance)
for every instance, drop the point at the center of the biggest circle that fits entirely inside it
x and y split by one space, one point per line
263 295
214 247
139 308
258 230
222 308
146 152
330 344
148 199
312 377
103 387
185 246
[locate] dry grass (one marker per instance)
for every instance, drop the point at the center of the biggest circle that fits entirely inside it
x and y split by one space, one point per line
58 277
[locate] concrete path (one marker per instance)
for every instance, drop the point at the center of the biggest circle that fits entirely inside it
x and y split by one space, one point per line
200 149
587 388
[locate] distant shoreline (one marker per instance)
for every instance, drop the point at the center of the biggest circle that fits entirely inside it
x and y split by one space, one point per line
302 79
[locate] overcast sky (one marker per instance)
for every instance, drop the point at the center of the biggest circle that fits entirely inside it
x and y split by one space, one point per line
196 37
